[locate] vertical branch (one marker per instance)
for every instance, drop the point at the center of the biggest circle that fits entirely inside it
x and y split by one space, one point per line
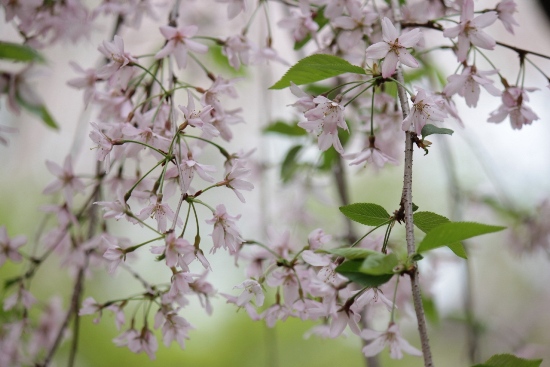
406 201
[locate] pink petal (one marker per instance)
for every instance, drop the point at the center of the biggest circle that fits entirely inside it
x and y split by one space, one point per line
377 51
485 19
389 31
389 65
406 58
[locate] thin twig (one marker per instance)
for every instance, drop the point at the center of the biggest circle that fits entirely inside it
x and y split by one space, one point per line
406 201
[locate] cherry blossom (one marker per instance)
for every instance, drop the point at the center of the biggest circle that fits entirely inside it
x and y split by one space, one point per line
324 121
506 10
469 30
300 22
226 234
393 48
119 60
161 212
9 247
145 341
317 238
66 180
179 43
425 110
234 7
391 338
467 84
234 181
177 251
513 105
200 119
237 48
251 290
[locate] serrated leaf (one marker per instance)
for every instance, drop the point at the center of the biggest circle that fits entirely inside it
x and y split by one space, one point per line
321 21
509 360
426 221
366 213
350 269
352 253
430 129
38 110
379 264
315 68
451 232
19 53
289 165
282 128
458 249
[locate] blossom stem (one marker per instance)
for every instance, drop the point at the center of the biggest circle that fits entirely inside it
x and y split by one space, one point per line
402 85
220 148
252 242
372 230
358 94
539 69
372 112
186 220
152 75
407 202
135 247
129 192
144 144
392 316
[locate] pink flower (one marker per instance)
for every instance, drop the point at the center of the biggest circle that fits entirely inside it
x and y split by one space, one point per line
161 212
425 110
177 251
174 327
324 121
299 22
467 84
143 342
86 82
391 338
90 307
394 48
234 181
104 145
469 30
305 101
371 154
513 105
179 43
252 290
317 238
200 119
119 59
234 8
9 247
506 10
66 180
188 168
237 49
226 234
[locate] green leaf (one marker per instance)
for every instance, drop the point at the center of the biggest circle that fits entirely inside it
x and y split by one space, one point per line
38 110
279 127
430 129
366 213
430 310
426 221
17 52
379 264
314 68
352 253
509 360
321 21
451 232
350 269
458 249
289 165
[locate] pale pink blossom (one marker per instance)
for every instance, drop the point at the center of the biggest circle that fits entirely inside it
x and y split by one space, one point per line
237 49
355 26
469 30
226 234
145 341
234 179
21 297
275 312
91 307
317 238
249 307
174 327
104 145
393 48
467 84
371 154
252 290
177 251
87 82
179 43
299 22
66 180
513 105
391 338
425 110
119 60
119 314
506 10
324 121
9 247
200 119
288 279
304 102
188 168
161 212
234 7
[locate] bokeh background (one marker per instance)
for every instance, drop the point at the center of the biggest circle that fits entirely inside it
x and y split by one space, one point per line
511 290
